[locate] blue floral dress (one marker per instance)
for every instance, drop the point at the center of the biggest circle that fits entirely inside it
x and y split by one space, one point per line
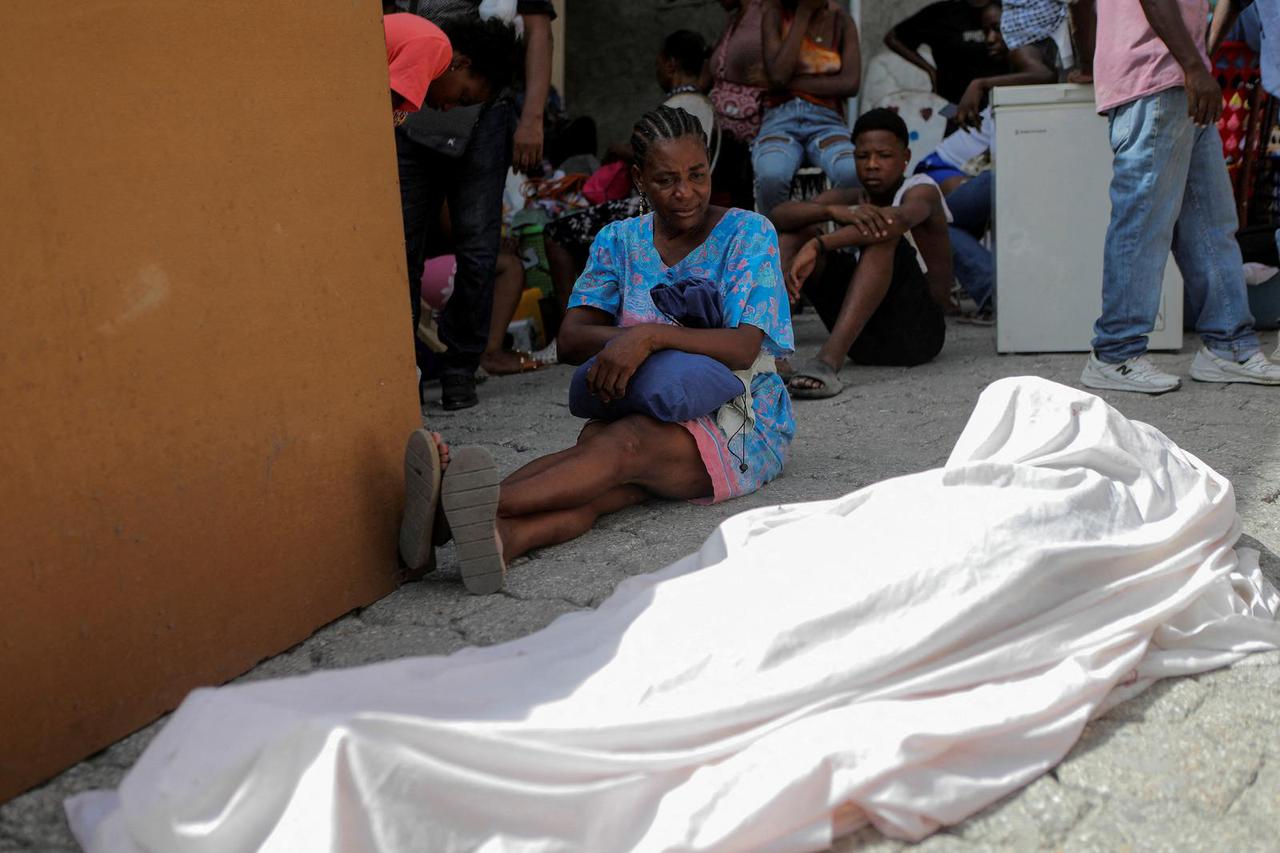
741 253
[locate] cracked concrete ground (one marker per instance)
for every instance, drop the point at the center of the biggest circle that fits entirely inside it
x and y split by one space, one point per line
1190 765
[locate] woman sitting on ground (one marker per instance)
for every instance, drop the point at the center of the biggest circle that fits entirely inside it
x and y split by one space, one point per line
612 316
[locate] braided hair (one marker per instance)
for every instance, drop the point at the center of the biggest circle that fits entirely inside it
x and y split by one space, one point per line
665 123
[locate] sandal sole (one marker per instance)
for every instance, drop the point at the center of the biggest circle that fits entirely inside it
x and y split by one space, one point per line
422 475
469 495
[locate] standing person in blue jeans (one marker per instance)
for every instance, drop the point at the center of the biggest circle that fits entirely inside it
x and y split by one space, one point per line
813 64
1170 189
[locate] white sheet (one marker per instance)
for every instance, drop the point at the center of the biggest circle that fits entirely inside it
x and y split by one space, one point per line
906 654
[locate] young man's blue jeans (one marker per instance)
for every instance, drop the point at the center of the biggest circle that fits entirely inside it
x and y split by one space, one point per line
970 206
1170 189
790 135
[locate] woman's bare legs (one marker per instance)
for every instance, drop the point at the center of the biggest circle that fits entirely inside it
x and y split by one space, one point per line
613 466
524 533
542 463
633 451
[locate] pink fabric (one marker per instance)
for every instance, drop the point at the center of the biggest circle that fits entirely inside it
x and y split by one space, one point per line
437 280
1131 61
721 467
417 53
608 183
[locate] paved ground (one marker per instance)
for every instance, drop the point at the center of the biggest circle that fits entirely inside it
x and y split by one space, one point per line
1191 765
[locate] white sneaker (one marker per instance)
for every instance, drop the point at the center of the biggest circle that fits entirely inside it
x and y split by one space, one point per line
1257 369
1136 374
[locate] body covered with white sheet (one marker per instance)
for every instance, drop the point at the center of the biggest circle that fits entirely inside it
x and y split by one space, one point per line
906 655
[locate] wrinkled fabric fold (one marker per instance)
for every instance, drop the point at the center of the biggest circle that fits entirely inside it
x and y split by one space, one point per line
904 655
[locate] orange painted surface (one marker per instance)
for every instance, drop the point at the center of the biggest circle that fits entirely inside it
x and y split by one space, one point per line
206 366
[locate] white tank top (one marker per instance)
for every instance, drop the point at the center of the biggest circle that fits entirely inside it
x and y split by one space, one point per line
916 181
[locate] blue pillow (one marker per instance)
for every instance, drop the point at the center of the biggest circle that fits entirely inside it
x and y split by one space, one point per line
671 386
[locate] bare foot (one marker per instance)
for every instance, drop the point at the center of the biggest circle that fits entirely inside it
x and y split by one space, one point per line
503 363
441 533
442 449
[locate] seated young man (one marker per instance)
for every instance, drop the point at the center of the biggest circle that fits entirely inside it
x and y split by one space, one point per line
881 279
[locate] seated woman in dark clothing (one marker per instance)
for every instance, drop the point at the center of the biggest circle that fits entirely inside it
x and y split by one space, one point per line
613 317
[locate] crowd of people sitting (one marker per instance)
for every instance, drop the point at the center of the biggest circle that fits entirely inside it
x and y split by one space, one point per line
671 265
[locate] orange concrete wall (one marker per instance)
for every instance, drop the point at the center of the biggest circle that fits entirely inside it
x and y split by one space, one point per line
206 370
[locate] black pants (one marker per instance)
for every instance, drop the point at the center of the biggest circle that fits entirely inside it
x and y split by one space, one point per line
907 329
473 185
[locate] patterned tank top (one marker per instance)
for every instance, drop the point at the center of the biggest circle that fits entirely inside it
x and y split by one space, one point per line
817 59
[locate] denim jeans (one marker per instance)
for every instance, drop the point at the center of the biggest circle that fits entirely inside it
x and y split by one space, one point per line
970 205
473 185
1170 189
790 135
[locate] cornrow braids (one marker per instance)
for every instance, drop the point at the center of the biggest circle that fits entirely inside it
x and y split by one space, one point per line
665 123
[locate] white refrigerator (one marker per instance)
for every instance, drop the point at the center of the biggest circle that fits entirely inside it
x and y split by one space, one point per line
1052 206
